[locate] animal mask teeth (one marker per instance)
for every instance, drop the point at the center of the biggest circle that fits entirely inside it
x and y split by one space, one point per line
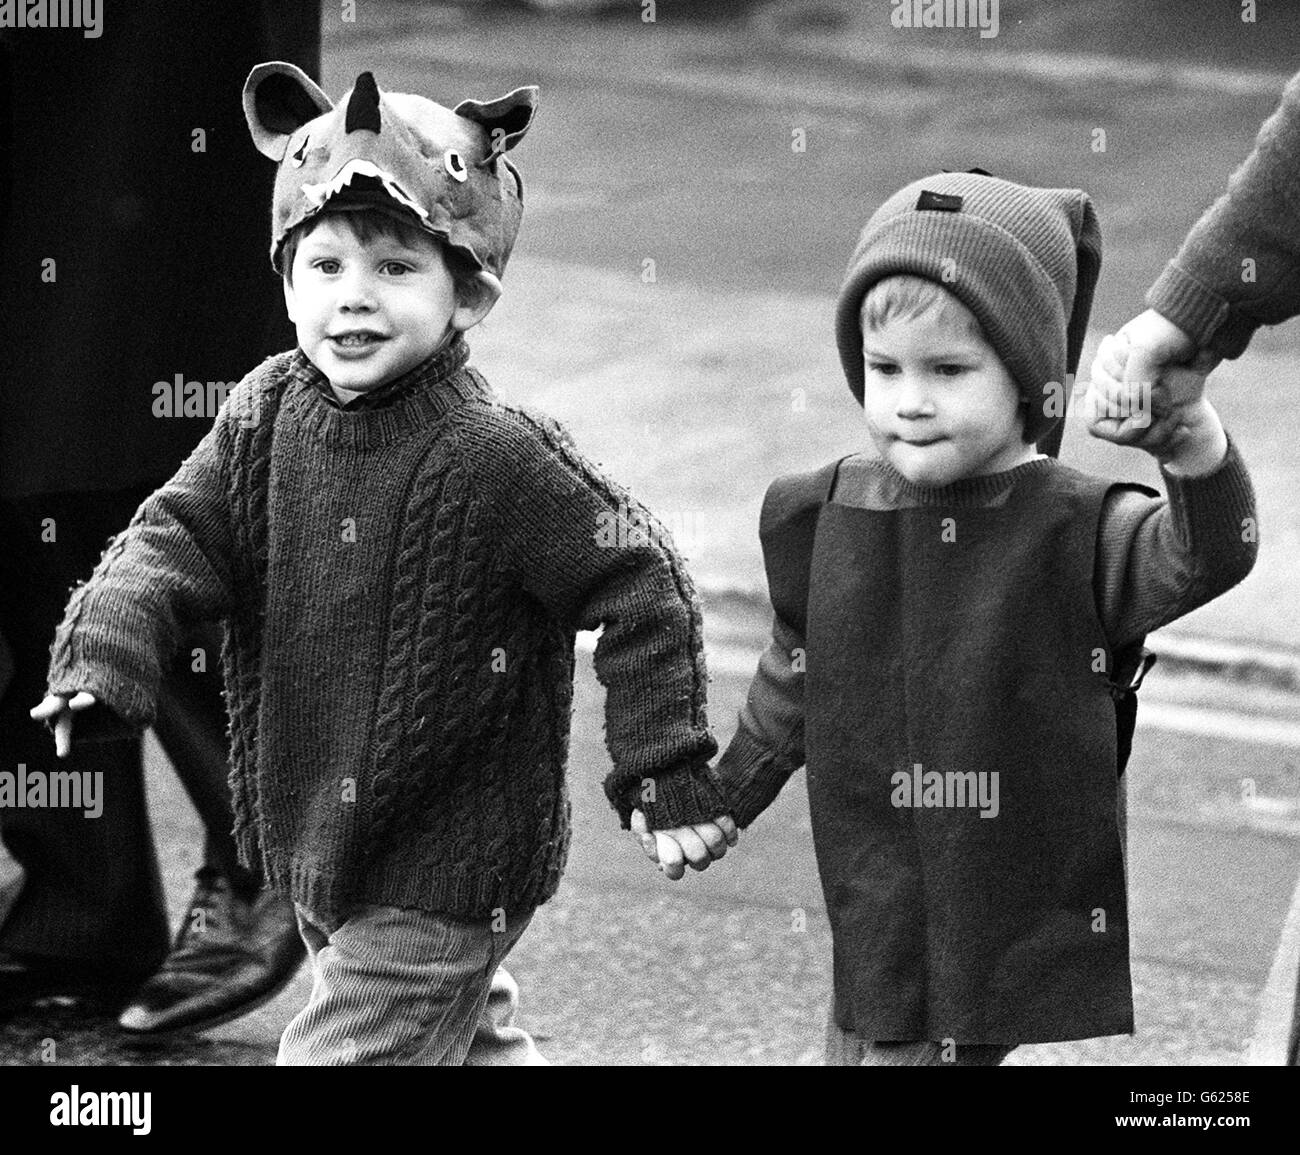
318 194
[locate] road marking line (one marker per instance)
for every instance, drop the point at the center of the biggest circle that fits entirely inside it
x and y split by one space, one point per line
1276 1026
1195 720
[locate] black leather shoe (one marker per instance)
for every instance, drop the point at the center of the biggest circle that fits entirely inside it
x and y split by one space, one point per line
231 956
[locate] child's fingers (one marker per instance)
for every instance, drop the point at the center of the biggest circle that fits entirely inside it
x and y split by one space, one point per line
670 856
50 706
642 831
1129 403
54 704
54 708
715 842
1144 367
696 846
1095 407
693 847
63 735
1111 356
1117 412
1121 432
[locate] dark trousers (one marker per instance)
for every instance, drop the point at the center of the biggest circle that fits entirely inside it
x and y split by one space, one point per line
93 891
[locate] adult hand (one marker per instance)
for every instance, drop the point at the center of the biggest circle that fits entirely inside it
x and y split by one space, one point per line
1155 344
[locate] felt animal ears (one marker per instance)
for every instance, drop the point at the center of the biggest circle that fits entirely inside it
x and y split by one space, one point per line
444 168
280 98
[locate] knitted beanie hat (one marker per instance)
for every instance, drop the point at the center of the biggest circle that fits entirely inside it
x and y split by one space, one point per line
443 169
1023 260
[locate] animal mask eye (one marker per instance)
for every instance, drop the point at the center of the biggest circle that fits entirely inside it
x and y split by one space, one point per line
301 154
452 162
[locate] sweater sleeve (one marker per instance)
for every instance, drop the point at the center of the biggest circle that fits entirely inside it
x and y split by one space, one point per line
1204 289
1160 559
596 558
768 744
168 569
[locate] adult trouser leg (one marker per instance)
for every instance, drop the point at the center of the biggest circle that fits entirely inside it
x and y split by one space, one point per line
92 892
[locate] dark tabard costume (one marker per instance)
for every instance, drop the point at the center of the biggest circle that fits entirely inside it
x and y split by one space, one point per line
961 640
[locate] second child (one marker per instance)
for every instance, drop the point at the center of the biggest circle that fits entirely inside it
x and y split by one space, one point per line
953 615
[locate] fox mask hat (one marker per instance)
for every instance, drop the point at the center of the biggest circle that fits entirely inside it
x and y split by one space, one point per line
444 169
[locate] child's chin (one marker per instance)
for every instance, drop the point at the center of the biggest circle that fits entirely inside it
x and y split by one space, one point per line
925 472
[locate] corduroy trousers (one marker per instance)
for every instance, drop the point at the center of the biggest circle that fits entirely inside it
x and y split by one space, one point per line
398 987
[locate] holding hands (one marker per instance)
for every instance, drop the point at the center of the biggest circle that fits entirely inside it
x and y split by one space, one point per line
697 845
57 711
1148 392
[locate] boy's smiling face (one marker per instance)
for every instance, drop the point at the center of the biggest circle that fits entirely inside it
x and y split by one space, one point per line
940 404
368 311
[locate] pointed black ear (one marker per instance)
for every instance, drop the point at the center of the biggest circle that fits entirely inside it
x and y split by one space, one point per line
280 98
505 119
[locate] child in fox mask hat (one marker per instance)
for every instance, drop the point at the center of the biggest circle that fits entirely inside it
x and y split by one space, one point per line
403 561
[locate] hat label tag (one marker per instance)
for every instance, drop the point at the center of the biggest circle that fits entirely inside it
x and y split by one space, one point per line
938 202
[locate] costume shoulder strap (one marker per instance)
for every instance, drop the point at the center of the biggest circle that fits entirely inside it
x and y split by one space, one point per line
787 527
1129 665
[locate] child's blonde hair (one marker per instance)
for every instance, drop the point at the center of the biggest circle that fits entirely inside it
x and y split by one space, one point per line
904 297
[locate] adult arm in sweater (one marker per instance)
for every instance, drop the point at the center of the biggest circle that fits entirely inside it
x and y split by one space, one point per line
1160 559
573 537
1202 290
169 568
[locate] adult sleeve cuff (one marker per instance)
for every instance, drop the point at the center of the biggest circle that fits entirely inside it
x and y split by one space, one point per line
1182 299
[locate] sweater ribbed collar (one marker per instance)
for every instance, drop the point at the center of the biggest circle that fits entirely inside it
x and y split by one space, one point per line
422 396
970 492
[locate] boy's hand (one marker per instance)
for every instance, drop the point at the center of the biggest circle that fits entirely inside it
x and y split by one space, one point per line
1167 417
56 712
697 845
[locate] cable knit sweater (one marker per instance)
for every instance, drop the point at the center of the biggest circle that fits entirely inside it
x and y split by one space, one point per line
402 586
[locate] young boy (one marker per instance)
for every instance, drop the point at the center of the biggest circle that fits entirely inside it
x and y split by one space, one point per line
403 562
949 615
